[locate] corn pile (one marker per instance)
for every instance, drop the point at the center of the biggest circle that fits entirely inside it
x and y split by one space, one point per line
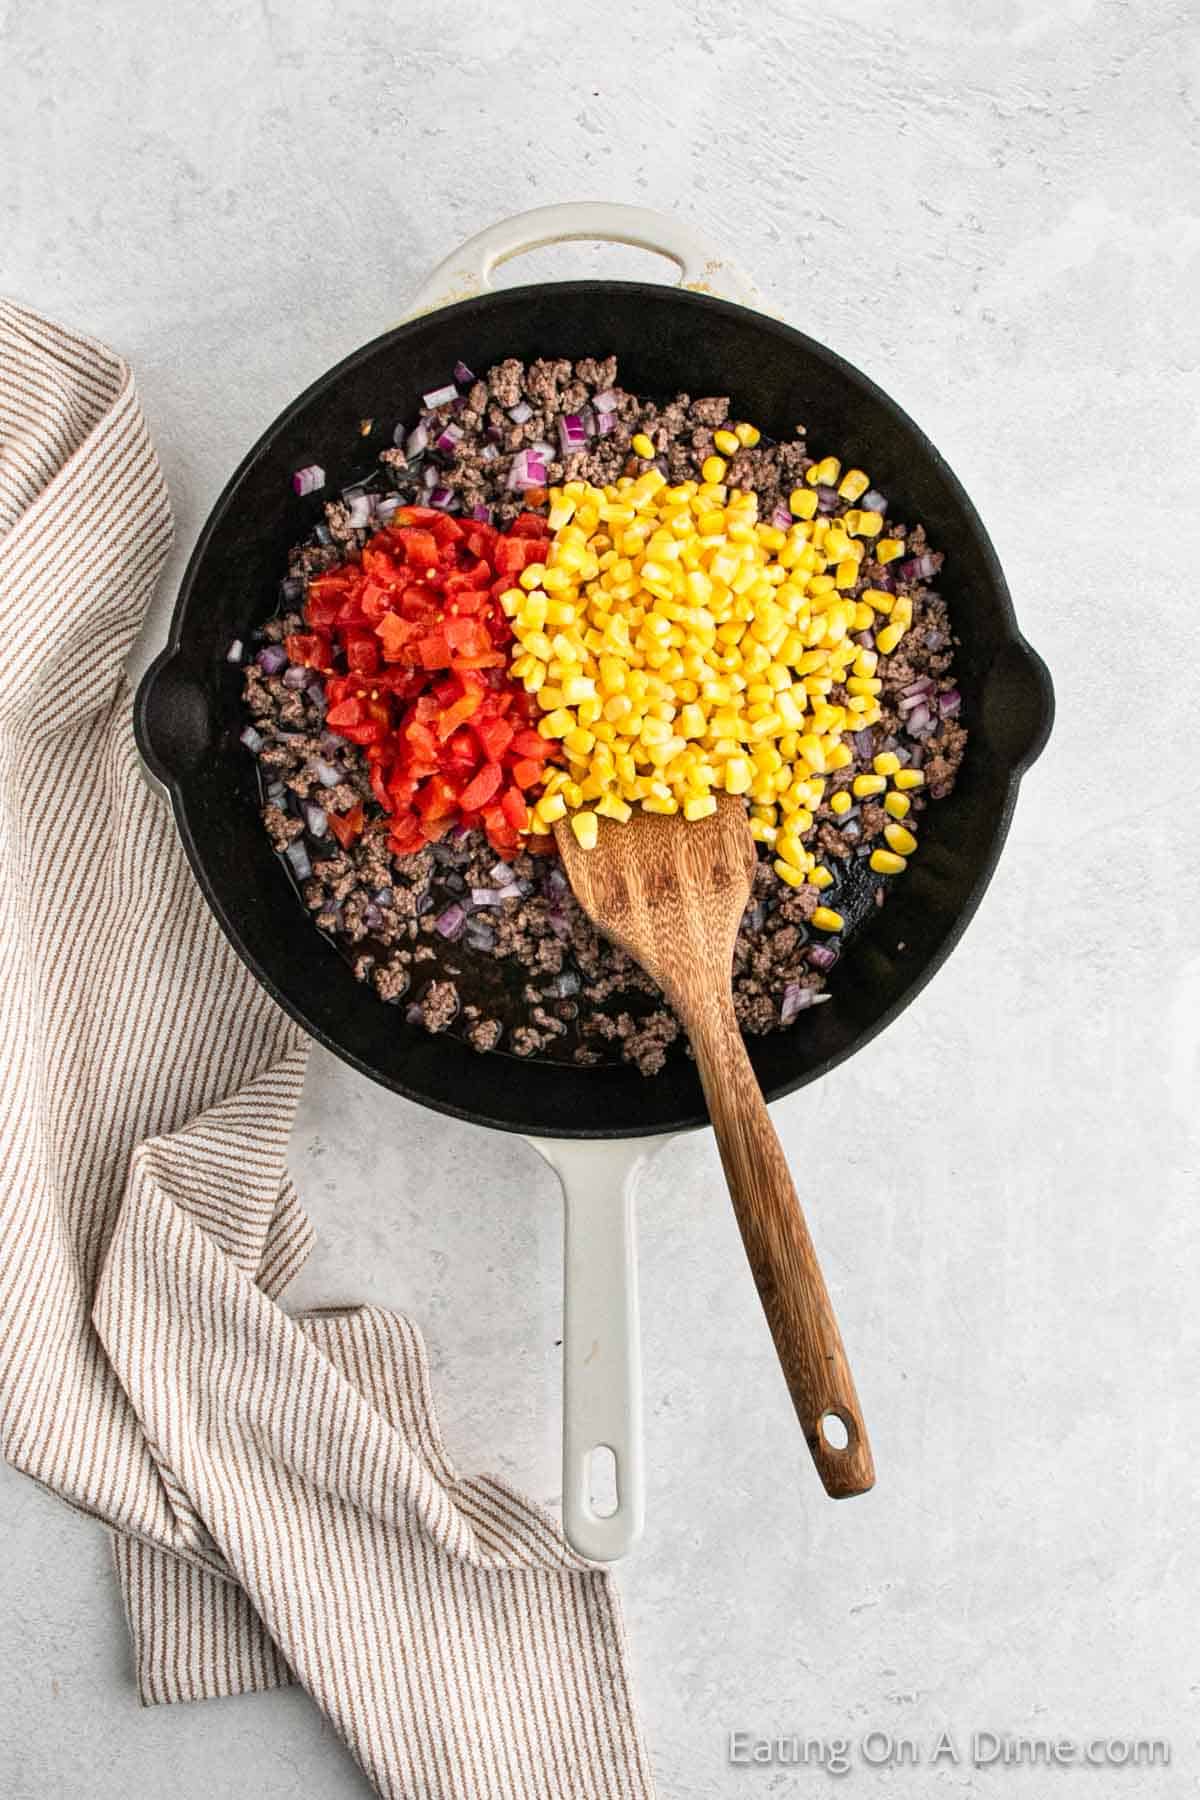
679 647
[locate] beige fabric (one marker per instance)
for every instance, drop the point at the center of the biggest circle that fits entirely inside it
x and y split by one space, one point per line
281 1501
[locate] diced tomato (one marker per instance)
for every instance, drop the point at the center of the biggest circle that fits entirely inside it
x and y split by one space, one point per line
438 798
495 735
465 636
346 713
481 789
447 530
420 547
347 826
515 809
458 714
509 558
533 745
529 525
406 836
525 772
311 648
362 651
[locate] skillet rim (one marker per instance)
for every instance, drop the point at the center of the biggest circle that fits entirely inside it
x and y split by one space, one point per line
1013 639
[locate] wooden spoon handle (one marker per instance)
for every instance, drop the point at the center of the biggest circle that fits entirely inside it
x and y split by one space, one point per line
779 1249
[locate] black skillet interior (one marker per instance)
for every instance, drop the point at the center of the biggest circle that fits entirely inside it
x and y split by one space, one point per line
188 714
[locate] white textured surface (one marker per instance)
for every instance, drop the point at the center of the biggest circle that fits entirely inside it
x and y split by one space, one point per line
993 210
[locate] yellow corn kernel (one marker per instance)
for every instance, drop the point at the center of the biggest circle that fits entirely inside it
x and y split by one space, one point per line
886 763
572 793
888 549
820 877
853 484
909 778
641 445
747 435
866 785
802 503
579 741
870 524
792 877
889 637
840 757
576 688
825 919
727 443
657 803
586 829
897 805
611 806
738 775
531 576
549 808
556 723
713 469
841 802
885 862
700 806
900 838
879 600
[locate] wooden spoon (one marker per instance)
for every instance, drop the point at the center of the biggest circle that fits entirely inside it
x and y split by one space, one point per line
672 892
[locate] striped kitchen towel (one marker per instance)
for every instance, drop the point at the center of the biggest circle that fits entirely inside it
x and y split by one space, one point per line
281 1504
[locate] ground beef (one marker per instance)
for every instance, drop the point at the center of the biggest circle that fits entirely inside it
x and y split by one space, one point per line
532 976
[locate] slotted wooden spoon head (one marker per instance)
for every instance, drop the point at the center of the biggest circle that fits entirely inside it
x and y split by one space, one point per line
672 891
669 890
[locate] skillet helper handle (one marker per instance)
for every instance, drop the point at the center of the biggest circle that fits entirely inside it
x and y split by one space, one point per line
468 270
602 1376
780 1252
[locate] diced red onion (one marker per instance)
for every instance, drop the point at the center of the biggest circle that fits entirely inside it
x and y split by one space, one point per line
372 918
316 689
322 534
919 568
463 375
822 956
314 819
605 401
360 512
796 999
297 855
296 676
919 720
389 504
430 475
276 793
449 437
440 397
479 936
850 828
521 412
935 640
827 498
418 441
567 984
234 652
272 659
331 744
527 471
481 513
328 774
450 923
949 703
512 890
782 516
559 925
908 703
252 739
500 873
398 437
605 422
922 685
874 501
917 759
571 434
382 897
308 479
444 497
863 742
866 639
589 421
486 897
488 453
556 884
414 1014
881 578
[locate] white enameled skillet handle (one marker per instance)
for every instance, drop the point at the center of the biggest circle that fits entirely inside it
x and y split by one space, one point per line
602 1378
468 270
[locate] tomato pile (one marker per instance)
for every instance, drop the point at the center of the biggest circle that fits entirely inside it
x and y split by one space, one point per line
413 644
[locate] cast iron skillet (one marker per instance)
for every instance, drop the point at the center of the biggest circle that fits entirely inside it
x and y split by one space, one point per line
667 339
